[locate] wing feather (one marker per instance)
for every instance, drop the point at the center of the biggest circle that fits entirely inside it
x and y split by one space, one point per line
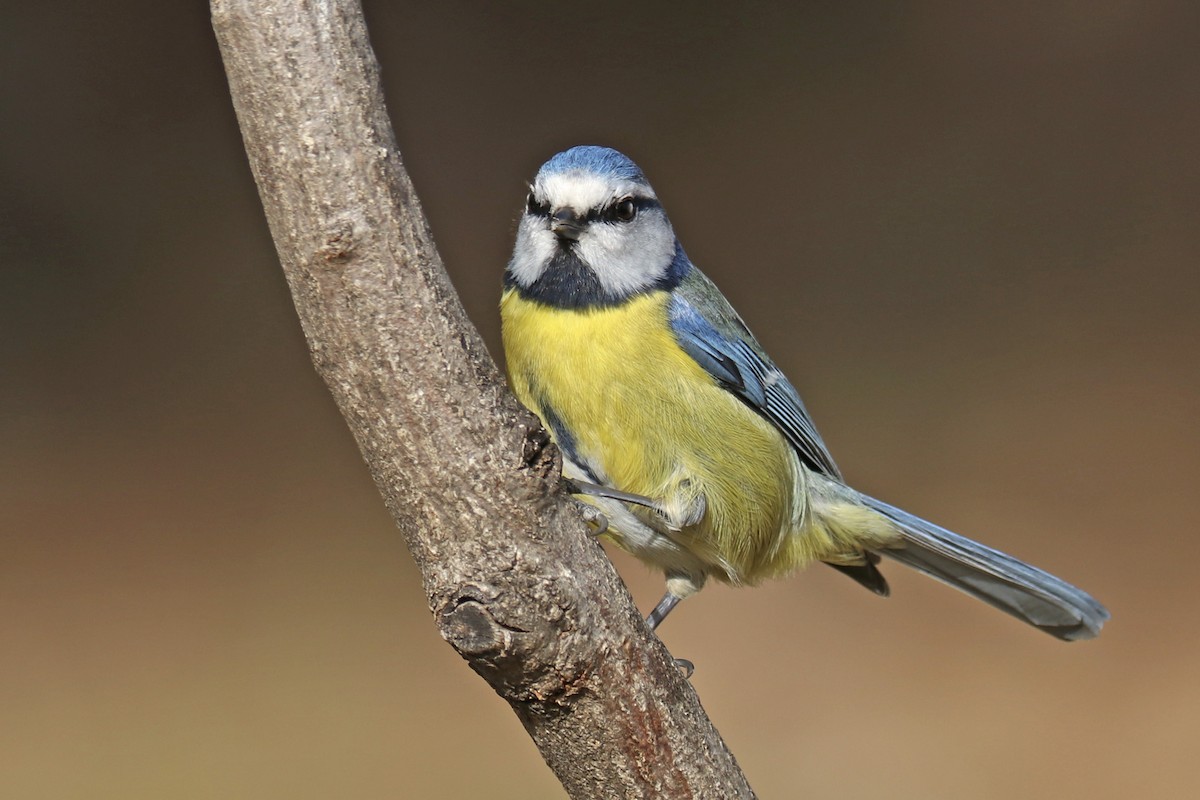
711 332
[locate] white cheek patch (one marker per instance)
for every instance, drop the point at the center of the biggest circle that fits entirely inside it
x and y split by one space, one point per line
629 257
535 247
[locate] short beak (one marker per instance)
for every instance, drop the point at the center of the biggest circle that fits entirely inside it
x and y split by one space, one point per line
566 225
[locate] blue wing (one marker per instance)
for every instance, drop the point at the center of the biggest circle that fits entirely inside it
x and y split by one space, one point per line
711 332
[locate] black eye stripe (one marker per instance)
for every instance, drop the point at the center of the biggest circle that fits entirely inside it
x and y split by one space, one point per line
608 213
535 206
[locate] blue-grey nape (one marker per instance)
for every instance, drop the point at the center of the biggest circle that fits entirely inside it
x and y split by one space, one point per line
596 159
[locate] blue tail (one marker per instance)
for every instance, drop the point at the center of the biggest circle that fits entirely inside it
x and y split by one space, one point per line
1026 592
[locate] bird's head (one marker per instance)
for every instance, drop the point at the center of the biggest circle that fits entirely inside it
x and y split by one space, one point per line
593 233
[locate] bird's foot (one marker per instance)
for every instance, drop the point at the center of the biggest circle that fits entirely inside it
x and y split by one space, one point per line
593 516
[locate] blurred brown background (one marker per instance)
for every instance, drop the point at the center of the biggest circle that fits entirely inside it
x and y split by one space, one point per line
968 232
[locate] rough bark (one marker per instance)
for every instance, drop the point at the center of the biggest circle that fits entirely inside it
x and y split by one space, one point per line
514 581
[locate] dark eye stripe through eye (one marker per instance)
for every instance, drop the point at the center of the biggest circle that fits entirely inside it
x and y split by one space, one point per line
534 206
624 209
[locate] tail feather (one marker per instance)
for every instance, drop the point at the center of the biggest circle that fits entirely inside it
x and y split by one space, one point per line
1011 585
867 574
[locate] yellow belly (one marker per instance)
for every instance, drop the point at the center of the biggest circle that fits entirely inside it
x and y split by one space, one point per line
647 419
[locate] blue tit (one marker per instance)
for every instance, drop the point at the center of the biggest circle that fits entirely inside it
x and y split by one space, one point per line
680 428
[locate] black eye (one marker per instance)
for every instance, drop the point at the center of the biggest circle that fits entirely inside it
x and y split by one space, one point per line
532 205
625 209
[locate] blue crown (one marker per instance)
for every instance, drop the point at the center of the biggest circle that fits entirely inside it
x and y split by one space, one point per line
590 158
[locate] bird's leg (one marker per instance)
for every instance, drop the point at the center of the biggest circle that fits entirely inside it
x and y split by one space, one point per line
659 613
592 515
661 610
596 490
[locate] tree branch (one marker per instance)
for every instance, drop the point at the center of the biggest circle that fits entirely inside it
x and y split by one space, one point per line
515 583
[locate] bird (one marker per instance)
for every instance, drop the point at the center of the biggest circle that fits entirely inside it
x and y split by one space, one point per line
680 431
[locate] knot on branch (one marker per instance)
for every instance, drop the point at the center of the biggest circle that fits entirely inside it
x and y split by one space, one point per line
540 459
522 640
337 240
538 452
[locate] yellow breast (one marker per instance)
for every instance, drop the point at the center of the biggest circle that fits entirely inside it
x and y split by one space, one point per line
647 419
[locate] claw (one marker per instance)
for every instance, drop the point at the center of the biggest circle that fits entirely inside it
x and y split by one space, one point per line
594 517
